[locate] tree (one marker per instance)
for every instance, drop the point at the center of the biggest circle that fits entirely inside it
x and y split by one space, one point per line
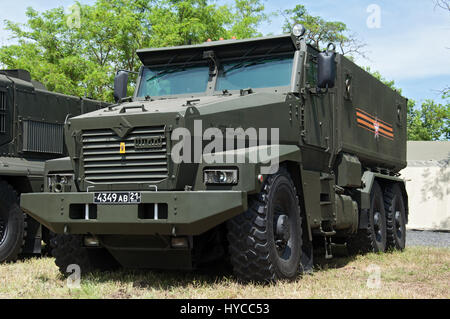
247 17
444 4
430 122
78 61
83 61
177 22
320 32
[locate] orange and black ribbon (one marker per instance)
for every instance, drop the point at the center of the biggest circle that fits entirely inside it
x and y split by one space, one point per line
374 125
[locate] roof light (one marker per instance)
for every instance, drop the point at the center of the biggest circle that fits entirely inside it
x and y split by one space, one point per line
298 30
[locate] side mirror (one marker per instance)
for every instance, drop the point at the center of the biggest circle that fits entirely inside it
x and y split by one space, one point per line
327 69
120 85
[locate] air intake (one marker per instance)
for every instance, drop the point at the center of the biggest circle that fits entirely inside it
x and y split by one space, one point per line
41 137
140 157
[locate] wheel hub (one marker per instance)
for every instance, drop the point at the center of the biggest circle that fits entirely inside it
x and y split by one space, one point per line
377 221
283 228
398 223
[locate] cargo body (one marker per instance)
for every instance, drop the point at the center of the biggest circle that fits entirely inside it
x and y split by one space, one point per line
330 166
31 132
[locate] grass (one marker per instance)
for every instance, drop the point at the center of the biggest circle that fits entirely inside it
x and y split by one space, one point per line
418 272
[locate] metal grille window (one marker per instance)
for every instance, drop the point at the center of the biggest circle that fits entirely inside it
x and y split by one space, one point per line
41 137
3 110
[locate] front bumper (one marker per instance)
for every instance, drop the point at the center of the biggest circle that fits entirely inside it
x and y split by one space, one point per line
188 213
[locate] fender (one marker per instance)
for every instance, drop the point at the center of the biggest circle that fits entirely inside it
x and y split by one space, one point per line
15 166
251 162
58 165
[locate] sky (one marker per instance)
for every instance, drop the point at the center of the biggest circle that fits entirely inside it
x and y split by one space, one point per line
408 41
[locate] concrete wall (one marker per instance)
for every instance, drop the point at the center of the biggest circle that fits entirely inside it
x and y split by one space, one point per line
428 185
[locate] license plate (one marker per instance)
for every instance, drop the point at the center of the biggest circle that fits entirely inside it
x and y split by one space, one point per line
121 198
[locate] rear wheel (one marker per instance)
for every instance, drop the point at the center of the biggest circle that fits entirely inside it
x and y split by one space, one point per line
374 237
12 224
69 250
265 242
395 217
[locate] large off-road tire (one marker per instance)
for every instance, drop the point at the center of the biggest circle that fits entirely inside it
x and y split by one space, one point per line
13 225
69 250
374 237
395 217
265 242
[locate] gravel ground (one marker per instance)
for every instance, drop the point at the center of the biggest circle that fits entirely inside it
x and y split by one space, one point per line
427 238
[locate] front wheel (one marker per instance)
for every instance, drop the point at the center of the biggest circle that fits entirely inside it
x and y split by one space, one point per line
265 242
12 224
69 250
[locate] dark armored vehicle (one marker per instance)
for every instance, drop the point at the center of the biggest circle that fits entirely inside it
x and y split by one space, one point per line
31 132
330 172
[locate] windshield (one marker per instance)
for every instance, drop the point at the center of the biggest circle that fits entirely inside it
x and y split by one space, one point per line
173 80
256 73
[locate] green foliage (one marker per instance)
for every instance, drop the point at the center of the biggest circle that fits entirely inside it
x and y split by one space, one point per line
83 61
247 16
430 122
78 61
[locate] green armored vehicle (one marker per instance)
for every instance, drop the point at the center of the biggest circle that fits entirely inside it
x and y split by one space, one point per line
31 132
248 149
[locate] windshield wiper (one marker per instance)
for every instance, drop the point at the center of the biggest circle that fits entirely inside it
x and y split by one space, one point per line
243 64
165 72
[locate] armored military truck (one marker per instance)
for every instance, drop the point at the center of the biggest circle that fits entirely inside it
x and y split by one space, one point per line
153 186
31 132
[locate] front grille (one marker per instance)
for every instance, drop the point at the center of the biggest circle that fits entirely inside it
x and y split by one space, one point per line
104 163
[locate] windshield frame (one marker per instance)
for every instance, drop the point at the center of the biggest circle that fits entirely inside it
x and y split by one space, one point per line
210 89
140 80
270 89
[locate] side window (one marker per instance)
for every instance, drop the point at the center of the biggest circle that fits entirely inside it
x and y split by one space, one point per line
3 110
311 75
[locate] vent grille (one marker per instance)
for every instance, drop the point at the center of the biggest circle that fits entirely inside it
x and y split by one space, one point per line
2 101
2 112
103 162
41 137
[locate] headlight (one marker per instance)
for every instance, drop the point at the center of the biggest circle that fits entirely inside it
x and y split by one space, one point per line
59 183
220 176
